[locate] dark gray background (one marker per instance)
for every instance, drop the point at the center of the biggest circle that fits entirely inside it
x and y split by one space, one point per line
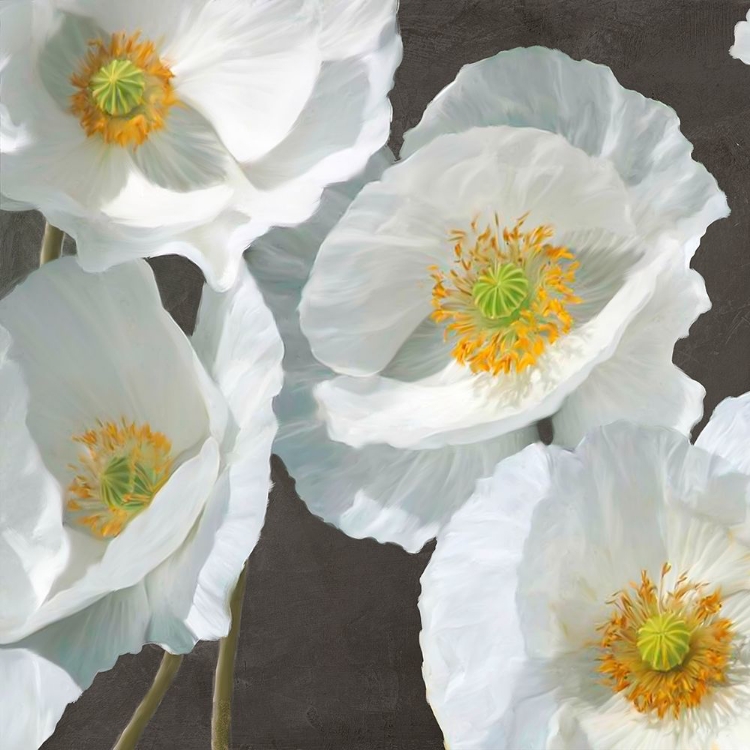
329 657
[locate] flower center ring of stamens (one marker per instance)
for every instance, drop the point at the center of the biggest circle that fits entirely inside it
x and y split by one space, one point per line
506 297
119 471
123 90
665 651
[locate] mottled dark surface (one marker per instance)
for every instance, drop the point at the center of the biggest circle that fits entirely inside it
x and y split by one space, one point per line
329 657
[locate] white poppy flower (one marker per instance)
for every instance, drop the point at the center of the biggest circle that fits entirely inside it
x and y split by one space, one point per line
741 47
188 126
598 599
500 274
133 478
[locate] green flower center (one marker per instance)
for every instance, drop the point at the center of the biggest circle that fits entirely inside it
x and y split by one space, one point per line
500 291
664 641
118 87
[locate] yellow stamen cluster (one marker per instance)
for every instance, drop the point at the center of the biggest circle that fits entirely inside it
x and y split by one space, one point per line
506 298
666 651
124 90
118 473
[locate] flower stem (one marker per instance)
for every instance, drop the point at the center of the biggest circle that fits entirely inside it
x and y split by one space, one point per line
147 708
221 719
52 243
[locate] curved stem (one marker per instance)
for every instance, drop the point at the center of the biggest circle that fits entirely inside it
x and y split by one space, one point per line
221 718
147 708
52 243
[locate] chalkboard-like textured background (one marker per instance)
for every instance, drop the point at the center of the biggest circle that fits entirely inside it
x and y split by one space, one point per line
329 657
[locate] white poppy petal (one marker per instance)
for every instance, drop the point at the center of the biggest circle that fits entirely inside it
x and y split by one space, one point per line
351 27
727 433
346 120
33 547
45 672
234 60
582 101
374 268
238 342
60 55
33 695
392 495
165 21
741 47
473 676
640 382
236 338
186 155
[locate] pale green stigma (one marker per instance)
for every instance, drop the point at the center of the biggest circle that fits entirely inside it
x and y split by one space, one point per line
664 641
500 291
118 87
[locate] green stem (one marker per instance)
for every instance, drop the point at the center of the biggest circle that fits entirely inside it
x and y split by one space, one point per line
147 708
221 718
52 243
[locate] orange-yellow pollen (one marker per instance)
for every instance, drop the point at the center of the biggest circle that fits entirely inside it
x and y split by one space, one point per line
491 334
124 90
668 688
119 471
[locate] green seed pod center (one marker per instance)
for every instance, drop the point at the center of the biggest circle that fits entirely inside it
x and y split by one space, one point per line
664 641
500 291
118 87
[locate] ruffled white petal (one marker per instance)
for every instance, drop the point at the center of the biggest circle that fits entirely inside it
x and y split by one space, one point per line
472 640
373 269
166 21
33 547
640 382
727 433
249 69
741 47
392 495
583 102
237 340
42 674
